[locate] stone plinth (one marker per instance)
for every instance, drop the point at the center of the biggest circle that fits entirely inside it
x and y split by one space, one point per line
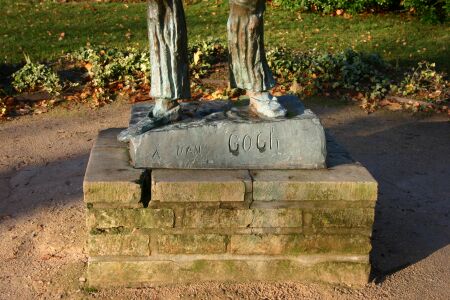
220 136
150 227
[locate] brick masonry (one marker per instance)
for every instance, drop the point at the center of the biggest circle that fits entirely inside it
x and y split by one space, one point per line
148 227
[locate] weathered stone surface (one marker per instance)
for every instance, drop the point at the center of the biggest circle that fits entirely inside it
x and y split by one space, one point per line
191 244
130 218
336 243
235 140
295 244
242 218
349 182
200 185
277 217
118 244
312 204
109 177
349 270
202 224
108 139
339 217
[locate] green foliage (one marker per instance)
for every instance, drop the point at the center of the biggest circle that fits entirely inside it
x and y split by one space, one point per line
348 73
110 67
33 76
425 82
432 11
325 72
114 69
203 55
429 10
329 6
89 290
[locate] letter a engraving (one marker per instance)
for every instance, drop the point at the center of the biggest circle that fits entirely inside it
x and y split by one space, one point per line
156 155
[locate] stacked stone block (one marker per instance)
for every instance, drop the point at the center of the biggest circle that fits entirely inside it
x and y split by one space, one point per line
151 227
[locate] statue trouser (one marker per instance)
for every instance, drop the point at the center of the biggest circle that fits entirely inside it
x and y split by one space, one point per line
168 55
248 64
169 65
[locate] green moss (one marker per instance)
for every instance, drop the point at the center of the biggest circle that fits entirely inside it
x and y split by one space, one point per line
285 265
191 244
231 267
130 218
199 266
89 290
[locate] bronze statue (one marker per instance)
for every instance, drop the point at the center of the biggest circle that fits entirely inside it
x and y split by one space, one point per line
248 64
169 61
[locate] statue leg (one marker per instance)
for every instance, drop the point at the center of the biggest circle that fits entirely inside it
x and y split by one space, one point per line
168 54
248 65
169 62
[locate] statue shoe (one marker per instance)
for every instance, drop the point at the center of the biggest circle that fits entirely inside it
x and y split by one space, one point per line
266 105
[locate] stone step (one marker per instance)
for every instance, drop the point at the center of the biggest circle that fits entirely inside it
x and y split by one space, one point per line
349 270
141 243
201 185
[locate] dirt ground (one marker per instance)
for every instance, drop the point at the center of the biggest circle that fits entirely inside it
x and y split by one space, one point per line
42 229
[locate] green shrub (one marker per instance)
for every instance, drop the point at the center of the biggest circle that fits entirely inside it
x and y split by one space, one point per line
329 6
424 82
113 68
203 55
429 10
350 73
32 77
108 66
317 73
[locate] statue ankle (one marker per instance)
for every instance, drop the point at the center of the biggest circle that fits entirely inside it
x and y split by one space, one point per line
260 96
163 106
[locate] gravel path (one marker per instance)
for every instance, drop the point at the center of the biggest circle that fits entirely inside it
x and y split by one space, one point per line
42 229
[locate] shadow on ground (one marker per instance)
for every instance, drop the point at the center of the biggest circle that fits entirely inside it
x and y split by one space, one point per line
412 166
54 183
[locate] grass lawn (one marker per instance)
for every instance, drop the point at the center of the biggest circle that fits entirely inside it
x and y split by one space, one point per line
46 30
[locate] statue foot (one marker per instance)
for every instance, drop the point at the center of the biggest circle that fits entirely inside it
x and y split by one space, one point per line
266 105
150 122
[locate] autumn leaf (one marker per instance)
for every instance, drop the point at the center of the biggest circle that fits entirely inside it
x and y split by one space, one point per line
393 106
197 57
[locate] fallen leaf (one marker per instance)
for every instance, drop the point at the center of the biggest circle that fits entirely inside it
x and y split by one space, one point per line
435 94
296 88
384 102
197 57
394 106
